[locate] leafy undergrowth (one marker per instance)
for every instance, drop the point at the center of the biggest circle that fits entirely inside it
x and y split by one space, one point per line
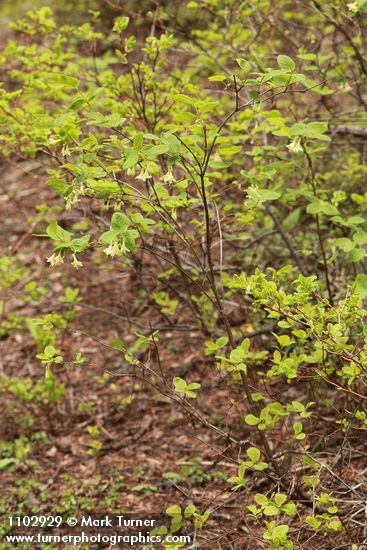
96 440
183 275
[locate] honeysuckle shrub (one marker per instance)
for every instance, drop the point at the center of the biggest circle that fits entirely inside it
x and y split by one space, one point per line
227 149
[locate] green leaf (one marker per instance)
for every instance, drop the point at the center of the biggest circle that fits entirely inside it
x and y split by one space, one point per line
260 499
314 208
254 95
360 237
313 522
189 510
271 510
360 285
119 222
297 427
79 244
260 466
284 340
253 509
243 64
218 78
290 509
49 351
252 420
182 98
131 161
286 63
57 233
345 244
78 103
280 499
355 220
221 342
179 384
229 150
330 209
145 488
173 511
268 195
138 141
187 389
253 453
120 23
5 463
237 355
357 254
64 80
155 150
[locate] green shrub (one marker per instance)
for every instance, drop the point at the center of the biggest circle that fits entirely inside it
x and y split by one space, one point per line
230 157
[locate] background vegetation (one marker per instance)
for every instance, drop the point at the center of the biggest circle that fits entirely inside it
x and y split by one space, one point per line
183 269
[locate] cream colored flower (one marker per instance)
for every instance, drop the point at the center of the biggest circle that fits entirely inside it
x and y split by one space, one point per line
72 200
168 177
53 140
76 263
55 259
295 146
143 176
114 249
353 7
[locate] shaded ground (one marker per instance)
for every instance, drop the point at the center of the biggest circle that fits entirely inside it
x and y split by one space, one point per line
142 435
102 443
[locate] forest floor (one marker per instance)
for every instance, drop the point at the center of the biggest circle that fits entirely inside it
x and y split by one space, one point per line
51 465
98 441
